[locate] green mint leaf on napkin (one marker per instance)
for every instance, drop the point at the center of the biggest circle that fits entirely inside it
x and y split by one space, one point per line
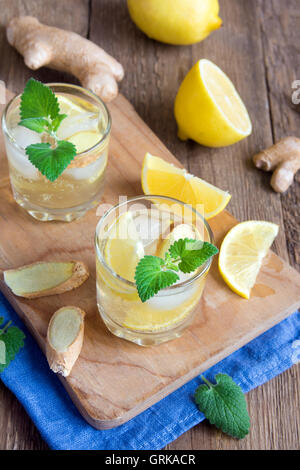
51 162
153 273
11 341
224 405
40 112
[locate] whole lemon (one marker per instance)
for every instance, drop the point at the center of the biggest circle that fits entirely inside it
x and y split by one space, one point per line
178 22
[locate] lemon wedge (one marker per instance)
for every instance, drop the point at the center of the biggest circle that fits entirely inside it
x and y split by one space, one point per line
242 253
208 109
164 179
124 249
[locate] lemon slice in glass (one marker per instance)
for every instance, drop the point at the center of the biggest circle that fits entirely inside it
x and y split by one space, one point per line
242 253
124 249
81 126
68 106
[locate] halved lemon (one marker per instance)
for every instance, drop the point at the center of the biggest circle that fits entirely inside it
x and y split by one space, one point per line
242 253
208 109
124 249
164 179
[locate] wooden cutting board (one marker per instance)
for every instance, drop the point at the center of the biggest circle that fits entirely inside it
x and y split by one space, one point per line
114 380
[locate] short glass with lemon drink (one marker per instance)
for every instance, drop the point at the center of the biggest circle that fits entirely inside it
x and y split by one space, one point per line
80 186
146 225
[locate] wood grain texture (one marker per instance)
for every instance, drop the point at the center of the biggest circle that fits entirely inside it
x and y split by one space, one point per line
153 74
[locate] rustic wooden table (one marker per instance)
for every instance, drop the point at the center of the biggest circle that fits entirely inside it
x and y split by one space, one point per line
259 48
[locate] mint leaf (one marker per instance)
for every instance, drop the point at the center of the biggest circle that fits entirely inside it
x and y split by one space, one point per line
12 340
169 264
193 253
153 273
224 405
57 121
38 101
150 278
51 162
35 124
40 112
39 108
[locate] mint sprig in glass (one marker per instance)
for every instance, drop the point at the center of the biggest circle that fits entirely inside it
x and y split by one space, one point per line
184 255
150 282
40 112
56 139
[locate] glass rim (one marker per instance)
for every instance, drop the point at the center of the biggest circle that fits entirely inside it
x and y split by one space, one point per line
187 282
71 86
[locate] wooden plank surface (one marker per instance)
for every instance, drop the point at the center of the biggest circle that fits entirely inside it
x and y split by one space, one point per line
244 48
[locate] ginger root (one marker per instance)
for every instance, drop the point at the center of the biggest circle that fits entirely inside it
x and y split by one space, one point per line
284 159
46 278
64 339
43 45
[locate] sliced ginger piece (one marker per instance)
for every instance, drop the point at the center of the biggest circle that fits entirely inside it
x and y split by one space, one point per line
46 278
64 339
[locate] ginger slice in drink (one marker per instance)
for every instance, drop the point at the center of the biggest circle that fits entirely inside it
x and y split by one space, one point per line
64 339
46 278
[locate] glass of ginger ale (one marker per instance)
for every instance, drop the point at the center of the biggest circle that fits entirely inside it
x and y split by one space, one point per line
79 187
147 225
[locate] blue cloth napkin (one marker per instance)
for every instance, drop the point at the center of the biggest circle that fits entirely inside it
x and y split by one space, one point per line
62 427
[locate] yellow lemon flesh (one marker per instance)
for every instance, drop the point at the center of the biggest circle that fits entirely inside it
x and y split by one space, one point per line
175 21
68 106
124 248
81 126
208 109
242 253
164 179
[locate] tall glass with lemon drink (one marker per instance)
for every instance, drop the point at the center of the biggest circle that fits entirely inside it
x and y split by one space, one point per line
80 186
147 226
